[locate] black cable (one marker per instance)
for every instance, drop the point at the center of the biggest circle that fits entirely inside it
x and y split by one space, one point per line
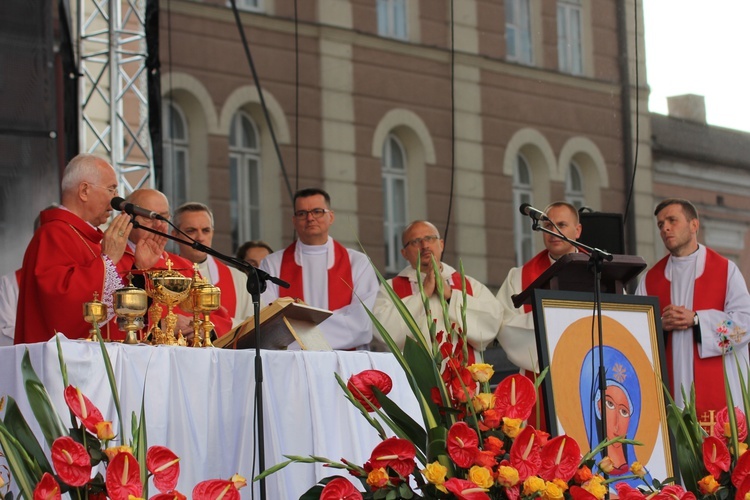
296 98
248 55
453 128
171 97
637 111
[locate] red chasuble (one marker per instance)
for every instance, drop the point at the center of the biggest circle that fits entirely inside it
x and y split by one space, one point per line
62 268
402 285
532 270
709 293
340 283
226 285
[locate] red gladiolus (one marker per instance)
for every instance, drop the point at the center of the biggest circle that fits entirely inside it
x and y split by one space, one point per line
465 490
716 457
721 428
172 495
462 444
396 453
462 385
627 492
340 489
83 408
165 466
515 397
524 454
123 477
559 458
741 469
47 489
215 489
361 387
674 492
71 461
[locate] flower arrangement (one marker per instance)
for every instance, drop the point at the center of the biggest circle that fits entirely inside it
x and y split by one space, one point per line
472 443
88 461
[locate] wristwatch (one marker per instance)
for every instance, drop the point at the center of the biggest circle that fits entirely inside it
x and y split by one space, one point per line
695 319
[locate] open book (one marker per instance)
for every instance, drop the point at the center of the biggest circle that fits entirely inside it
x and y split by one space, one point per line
282 322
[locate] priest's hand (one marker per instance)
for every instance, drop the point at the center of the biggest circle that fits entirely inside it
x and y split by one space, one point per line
677 318
150 247
115 238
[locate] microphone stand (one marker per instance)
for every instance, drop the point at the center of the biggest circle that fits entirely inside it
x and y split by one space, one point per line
256 285
596 261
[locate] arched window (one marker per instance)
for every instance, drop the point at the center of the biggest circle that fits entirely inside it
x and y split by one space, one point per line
176 158
244 175
392 19
394 202
522 193
574 192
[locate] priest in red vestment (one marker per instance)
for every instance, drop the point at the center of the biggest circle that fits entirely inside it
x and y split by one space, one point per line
705 308
70 259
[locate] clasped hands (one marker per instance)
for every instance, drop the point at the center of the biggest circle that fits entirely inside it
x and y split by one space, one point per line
677 318
430 286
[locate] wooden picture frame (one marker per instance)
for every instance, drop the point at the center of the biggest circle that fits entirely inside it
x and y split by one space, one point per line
567 342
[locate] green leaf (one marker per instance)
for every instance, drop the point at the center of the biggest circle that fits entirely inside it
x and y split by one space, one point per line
111 379
21 465
19 428
412 430
273 469
41 405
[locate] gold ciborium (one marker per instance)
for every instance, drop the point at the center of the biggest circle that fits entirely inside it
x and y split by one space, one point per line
94 312
130 304
203 298
169 288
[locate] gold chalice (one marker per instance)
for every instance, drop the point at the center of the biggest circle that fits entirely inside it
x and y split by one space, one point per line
130 304
94 312
169 288
203 298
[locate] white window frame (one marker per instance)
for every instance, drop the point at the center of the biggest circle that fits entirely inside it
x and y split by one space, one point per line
249 5
570 36
176 178
575 188
518 31
394 223
393 19
523 192
245 178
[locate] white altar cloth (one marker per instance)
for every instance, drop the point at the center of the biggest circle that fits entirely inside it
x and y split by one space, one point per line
199 403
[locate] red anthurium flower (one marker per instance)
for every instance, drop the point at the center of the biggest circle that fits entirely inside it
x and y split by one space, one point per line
462 444
741 469
560 458
716 457
744 488
627 492
721 428
578 493
83 408
396 453
524 454
123 477
172 495
165 466
340 489
515 397
47 489
674 492
215 489
361 386
465 490
71 461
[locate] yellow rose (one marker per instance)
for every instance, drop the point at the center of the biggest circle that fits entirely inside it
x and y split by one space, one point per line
533 484
104 431
561 484
552 492
483 401
743 448
239 481
596 487
512 427
435 473
2 481
377 478
747 495
606 465
507 476
708 485
638 469
481 476
481 372
114 450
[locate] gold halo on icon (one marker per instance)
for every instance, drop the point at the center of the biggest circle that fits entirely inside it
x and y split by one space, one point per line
566 366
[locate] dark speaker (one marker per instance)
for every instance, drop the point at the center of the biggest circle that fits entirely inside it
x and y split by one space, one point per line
603 231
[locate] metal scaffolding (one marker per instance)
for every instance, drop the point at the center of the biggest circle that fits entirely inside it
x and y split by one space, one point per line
113 85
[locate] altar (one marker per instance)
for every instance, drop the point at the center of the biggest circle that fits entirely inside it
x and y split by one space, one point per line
200 404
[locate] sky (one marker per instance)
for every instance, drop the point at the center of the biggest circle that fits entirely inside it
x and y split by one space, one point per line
700 47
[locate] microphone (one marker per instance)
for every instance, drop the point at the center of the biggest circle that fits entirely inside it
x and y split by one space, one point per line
532 212
124 206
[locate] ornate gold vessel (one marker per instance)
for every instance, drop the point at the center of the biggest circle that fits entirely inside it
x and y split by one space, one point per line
94 312
204 298
167 287
130 304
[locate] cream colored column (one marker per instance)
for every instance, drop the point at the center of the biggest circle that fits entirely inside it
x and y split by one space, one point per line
337 119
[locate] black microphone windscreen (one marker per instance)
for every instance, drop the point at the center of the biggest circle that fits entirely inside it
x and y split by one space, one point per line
524 208
117 203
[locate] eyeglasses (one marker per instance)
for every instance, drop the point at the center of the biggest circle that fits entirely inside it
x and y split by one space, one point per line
315 212
111 190
418 241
